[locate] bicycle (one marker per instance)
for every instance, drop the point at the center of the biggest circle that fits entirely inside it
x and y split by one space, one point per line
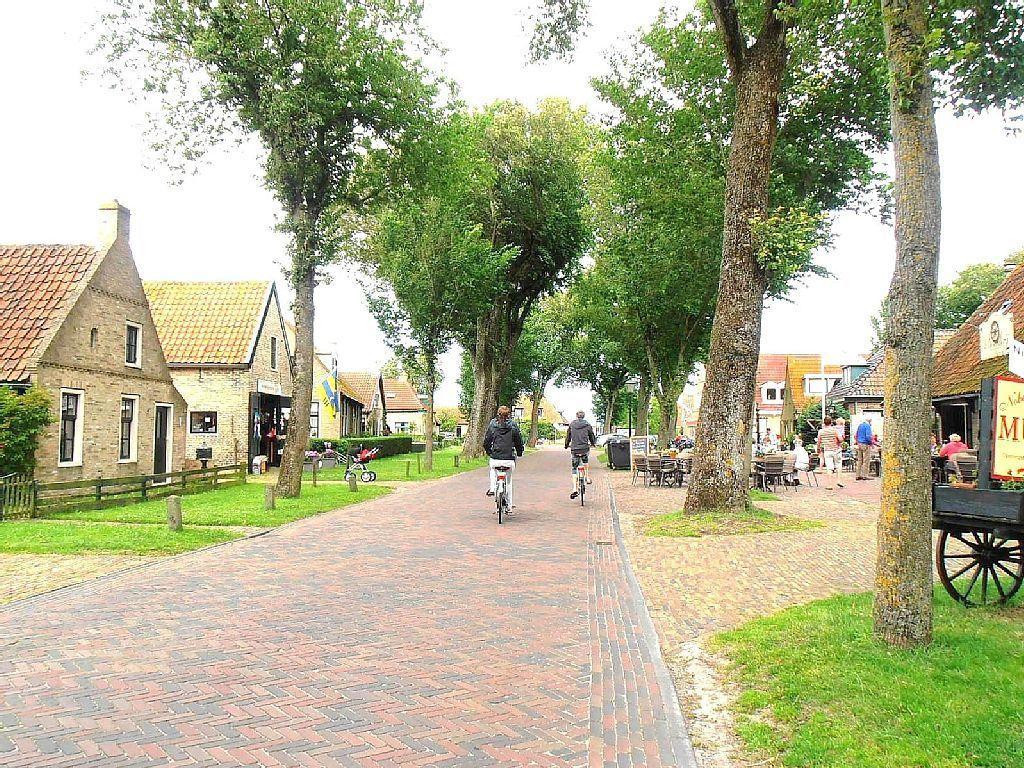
501 498
581 481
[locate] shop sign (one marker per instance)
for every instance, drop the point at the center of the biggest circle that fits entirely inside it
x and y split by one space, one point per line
1008 429
265 387
995 334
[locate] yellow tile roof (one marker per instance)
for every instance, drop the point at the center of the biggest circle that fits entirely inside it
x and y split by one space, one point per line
797 366
206 323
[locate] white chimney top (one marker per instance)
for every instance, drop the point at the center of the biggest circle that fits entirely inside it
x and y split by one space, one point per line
115 221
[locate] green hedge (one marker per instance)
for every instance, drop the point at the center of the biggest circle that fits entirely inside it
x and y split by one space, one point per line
391 445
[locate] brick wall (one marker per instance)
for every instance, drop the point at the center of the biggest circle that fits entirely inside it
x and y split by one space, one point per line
88 353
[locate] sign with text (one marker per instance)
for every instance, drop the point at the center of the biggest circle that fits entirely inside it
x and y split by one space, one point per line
1016 357
639 445
1008 429
995 334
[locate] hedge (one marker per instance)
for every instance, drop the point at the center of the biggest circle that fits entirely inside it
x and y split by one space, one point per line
392 445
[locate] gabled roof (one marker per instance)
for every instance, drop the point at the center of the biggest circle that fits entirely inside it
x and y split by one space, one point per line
400 395
770 368
798 366
323 371
207 323
958 368
38 287
363 384
871 383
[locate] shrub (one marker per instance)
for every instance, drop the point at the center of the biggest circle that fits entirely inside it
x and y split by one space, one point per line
22 420
391 445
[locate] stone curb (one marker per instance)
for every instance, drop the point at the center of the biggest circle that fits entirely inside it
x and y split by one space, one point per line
681 746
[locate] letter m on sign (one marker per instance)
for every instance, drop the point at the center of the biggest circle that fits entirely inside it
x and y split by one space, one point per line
1008 428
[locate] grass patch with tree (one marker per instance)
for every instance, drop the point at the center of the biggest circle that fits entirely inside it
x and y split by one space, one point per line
726 522
818 690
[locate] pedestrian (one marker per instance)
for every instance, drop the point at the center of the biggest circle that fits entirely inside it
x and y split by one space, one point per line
840 426
864 440
829 448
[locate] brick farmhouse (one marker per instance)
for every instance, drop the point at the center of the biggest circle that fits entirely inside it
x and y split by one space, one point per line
74 320
227 351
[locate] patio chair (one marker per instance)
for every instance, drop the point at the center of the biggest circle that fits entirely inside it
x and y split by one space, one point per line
655 470
669 471
788 471
772 472
640 468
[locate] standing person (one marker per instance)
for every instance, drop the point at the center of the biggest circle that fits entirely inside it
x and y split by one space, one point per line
865 439
829 448
578 440
840 426
502 444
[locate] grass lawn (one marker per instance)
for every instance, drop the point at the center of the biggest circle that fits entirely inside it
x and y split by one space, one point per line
393 468
817 690
240 505
722 523
66 538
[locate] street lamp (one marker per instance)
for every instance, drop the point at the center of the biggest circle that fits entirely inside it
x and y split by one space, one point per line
633 382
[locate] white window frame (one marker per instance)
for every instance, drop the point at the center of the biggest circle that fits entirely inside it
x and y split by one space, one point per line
314 413
76 459
133 457
138 344
274 352
216 421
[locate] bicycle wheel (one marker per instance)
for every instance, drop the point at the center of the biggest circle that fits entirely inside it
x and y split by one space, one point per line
502 502
583 488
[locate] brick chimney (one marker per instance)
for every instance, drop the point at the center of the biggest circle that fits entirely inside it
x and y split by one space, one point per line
115 222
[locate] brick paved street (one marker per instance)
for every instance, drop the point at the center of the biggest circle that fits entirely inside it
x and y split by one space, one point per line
411 630
23 575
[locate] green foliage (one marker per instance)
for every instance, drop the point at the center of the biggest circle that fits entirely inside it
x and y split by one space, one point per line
785 242
808 419
448 418
393 468
556 26
547 430
957 301
817 689
390 445
64 538
23 418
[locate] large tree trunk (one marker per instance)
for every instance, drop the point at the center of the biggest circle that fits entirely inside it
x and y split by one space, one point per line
610 401
903 577
491 360
722 454
431 384
289 481
643 406
538 392
669 419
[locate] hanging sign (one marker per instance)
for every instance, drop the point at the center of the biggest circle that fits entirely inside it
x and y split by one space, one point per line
1008 429
995 335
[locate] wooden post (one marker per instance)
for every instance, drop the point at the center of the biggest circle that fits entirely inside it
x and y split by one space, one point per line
315 463
269 501
419 469
408 469
352 483
174 513
456 459
243 475
35 498
99 489
984 445
145 493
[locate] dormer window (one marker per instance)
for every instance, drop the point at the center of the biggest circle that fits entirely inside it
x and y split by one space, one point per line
133 344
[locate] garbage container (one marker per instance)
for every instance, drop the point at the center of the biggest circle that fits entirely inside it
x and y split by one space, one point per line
618 452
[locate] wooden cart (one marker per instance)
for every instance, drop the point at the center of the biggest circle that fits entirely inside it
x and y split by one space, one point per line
979 555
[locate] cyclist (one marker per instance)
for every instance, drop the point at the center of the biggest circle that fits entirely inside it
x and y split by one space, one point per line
578 440
503 443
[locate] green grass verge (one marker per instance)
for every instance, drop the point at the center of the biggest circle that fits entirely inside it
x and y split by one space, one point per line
756 494
724 523
393 468
240 505
66 538
818 690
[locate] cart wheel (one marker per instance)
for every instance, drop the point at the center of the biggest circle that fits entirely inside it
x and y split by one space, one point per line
366 476
979 567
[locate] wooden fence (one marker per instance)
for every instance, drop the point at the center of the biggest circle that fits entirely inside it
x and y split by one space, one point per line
39 499
17 496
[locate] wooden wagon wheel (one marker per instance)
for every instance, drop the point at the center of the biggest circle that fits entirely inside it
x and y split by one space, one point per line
980 567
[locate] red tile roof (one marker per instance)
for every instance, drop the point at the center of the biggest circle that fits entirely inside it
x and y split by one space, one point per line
871 383
37 286
958 368
400 395
770 368
208 323
363 384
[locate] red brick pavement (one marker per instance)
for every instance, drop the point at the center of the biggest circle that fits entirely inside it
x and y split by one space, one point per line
411 630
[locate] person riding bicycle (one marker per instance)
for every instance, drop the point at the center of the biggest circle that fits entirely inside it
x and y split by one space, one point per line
578 440
503 443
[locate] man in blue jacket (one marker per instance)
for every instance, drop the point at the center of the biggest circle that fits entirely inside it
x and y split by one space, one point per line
864 441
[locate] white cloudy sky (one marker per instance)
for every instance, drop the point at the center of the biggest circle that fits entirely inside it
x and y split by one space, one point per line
66 144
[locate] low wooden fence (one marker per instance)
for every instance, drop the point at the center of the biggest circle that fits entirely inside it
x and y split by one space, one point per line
32 499
17 496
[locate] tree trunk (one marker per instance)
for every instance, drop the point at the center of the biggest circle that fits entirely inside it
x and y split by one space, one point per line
722 454
289 481
538 392
643 406
491 360
903 577
431 385
609 411
666 429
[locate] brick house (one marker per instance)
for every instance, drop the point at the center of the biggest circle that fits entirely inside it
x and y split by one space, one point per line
770 394
74 320
227 350
805 379
405 413
369 390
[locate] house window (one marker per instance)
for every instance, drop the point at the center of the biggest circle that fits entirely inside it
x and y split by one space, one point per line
273 353
129 428
771 394
314 419
202 422
540 412
517 413
70 428
94 338
132 343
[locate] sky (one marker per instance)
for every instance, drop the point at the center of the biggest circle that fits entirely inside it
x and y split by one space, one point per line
67 144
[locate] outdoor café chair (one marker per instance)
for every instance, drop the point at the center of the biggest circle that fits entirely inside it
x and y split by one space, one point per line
640 468
772 471
788 469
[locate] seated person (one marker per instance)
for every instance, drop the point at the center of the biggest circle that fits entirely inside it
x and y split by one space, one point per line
955 451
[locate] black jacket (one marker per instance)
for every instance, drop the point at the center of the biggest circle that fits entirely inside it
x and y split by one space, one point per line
503 441
580 437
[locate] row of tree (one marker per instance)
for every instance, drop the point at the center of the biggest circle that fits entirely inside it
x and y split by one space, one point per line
737 129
